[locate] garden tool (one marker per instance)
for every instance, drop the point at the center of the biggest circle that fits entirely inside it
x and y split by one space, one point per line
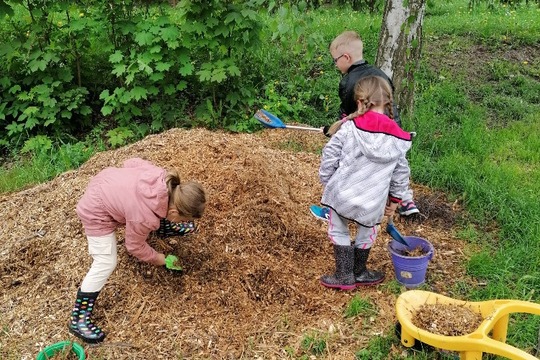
272 121
394 233
172 263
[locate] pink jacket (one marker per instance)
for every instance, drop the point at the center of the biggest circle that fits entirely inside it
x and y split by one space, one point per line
134 195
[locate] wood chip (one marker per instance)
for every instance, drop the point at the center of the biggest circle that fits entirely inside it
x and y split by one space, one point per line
250 285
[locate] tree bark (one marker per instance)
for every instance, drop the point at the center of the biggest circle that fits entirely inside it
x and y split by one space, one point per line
400 44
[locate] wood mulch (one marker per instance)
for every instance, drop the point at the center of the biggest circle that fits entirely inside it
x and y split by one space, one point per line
250 285
447 319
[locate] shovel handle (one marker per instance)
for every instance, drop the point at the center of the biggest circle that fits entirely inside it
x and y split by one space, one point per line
394 233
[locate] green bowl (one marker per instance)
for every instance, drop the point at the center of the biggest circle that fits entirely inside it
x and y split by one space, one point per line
54 349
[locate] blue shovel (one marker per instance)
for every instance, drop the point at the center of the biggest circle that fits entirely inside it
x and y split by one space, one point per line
394 233
272 121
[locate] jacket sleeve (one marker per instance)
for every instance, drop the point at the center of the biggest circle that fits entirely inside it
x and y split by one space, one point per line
331 156
342 93
136 236
400 179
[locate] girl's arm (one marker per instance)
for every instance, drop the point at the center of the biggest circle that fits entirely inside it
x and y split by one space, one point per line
400 179
136 236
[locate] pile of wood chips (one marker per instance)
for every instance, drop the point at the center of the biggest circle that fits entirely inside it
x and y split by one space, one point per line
250 285
447 319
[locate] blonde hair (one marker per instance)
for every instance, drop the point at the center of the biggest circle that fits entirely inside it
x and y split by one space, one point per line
189 197
369 92
349 42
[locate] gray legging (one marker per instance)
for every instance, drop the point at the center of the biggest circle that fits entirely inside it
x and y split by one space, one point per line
338 232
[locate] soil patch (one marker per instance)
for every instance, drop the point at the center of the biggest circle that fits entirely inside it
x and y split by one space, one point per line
250 285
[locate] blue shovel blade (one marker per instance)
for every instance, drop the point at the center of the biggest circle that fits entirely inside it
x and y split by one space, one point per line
268 119
394 233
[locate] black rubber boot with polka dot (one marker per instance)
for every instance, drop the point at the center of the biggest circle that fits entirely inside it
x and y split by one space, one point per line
168 228
81 324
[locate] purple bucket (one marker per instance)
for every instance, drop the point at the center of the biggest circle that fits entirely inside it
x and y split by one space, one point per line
410 270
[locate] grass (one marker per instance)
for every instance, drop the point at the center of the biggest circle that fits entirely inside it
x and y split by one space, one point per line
477 140
490 157
359 306
44 163
502 24
43 166
477 118
314 344
377 349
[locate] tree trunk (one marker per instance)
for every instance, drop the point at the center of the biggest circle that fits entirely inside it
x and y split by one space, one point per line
400 44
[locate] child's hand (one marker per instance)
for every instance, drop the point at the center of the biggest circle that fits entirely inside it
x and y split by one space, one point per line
390 208
172 263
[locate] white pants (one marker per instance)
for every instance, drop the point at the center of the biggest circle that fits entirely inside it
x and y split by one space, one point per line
338 232
103 251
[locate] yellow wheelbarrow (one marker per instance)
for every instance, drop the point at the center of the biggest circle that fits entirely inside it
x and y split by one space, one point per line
495 315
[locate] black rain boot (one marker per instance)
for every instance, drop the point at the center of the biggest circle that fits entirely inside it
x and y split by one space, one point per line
343 279
81 324
362 275
168 228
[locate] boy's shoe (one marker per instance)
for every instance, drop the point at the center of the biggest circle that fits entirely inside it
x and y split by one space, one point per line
322 213
406 209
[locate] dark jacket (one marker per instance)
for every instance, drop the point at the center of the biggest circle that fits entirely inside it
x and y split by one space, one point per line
356 72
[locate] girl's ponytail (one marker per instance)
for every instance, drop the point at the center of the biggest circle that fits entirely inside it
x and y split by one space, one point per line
336 126
369 92
188 198
366 105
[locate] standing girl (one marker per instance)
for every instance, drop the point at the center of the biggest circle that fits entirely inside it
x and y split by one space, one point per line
140 196
363 167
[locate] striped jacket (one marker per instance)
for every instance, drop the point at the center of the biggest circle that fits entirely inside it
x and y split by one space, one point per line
363 164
